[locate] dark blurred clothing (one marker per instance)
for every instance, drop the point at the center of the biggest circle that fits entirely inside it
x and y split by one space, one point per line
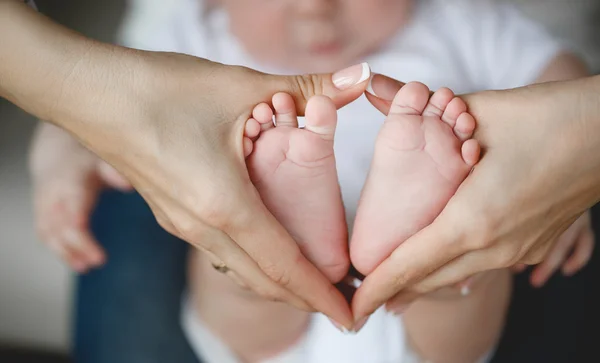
128 311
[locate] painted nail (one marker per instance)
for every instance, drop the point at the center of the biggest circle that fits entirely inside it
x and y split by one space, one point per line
352 281
351 76
360 324
339 327
398 310
370 87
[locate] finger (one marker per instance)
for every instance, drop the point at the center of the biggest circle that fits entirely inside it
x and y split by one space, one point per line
518 268
52 219
342 87
112 177
279 257
581 255
553 260
68 255
223 249
454 272
85 245
74 229
417 257
382 90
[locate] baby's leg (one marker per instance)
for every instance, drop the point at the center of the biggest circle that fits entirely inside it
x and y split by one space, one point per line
253 328
423 153
452 327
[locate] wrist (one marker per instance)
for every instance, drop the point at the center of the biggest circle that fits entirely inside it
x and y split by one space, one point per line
581 101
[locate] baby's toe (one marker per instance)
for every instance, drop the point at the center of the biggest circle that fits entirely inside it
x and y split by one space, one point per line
252 128
285 110
264 115
438 102
470 152
455 108
248 147
321 117
411 99
465 126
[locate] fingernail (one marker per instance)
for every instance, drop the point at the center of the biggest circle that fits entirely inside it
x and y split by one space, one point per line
351 76
398 310
387 88
359 324
352 281
370 87
339 326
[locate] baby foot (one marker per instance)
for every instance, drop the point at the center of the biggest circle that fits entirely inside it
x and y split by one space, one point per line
423 153
294 171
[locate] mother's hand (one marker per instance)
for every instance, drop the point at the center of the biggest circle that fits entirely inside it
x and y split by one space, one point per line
173 126
182 150
540 171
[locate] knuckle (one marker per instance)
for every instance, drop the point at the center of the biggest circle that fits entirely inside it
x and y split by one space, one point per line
506 257
419 289
398 281
280 277
307 85
165 224
482 230
480 241
185 227
214 211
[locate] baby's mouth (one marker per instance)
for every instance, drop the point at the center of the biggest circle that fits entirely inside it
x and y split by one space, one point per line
326 48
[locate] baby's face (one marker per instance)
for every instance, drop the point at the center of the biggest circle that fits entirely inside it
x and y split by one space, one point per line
315 35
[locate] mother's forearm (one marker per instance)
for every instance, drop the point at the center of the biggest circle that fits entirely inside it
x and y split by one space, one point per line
52 72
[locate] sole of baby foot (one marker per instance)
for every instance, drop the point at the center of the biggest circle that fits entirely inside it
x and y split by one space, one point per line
423 153
294 171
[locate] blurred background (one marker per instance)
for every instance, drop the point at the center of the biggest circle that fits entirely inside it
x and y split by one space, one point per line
35 288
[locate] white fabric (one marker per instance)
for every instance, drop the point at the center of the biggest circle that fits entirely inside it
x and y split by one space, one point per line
466 45
380 341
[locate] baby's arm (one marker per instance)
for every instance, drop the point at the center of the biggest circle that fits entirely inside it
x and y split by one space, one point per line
456 328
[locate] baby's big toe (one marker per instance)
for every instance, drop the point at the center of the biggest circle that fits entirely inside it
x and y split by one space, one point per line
411 99
285 110
321 117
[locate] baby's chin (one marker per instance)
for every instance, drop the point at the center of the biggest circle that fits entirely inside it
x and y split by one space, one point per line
307 61
311 63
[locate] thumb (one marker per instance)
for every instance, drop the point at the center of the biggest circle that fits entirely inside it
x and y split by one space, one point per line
381 91
342 87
